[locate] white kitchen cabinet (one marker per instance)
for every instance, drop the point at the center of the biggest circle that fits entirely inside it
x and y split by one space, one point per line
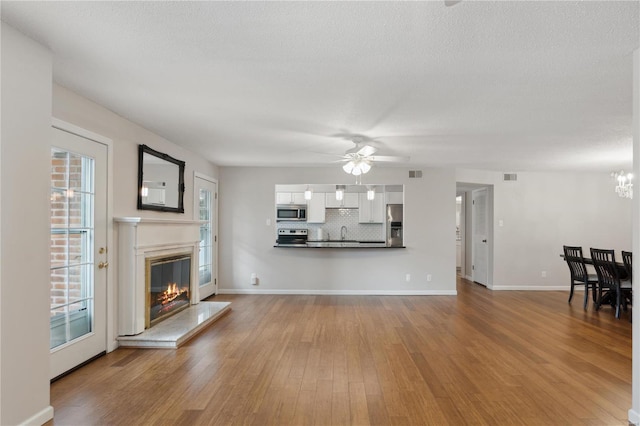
290 198
349 201
394 197
371 211
316 208
330 200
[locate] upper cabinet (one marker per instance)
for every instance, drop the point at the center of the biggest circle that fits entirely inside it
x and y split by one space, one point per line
371 211
323 196
349 200
316 208
290 198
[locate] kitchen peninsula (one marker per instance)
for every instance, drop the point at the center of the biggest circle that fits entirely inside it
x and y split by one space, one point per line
339 216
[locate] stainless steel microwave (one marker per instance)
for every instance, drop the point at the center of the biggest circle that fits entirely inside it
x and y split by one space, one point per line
291 212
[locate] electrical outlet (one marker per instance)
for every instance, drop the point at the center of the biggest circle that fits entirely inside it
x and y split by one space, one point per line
428 277
268 222
408 277
543 274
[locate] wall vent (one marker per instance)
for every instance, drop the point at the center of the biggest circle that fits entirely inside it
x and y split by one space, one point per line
510 176
415 173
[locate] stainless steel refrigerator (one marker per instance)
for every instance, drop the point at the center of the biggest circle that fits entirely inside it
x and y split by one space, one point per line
394 225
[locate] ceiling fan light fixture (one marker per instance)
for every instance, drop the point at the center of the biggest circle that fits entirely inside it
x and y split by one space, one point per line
357 167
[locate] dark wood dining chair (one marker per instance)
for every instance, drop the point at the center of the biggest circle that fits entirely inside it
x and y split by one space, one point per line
579 274
627 259
618 292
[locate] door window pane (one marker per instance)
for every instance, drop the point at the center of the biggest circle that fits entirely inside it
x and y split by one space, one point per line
206 239
72 233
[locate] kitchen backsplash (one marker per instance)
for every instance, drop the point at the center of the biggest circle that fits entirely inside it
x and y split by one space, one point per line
334 220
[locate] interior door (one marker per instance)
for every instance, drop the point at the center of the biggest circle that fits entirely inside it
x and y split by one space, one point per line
206 208
480 246
78 295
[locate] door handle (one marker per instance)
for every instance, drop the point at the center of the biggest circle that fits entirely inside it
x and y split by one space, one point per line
103 265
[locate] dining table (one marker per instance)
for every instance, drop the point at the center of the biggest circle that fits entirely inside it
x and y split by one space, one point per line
622 274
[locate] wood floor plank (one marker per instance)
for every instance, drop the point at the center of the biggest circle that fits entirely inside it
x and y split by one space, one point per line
482 358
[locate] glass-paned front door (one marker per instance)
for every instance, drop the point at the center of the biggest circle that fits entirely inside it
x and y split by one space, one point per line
205 204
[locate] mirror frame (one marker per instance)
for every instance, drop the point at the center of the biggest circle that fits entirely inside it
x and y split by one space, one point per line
144 149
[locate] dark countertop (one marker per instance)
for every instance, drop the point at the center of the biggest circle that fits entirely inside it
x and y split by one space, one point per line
339 244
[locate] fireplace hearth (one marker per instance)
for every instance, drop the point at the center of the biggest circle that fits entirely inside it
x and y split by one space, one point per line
168 284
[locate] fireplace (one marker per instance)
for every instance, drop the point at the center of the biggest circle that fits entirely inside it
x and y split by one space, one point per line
141 243
168 280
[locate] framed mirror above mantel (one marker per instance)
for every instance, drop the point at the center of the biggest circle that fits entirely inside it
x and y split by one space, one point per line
160 181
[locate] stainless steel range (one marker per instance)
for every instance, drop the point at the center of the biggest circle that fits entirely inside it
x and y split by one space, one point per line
292 237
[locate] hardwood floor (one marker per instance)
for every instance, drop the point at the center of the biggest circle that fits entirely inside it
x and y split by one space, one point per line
493 358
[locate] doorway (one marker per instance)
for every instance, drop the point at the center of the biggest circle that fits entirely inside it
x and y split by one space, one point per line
475 229
459 235
480 226
78 261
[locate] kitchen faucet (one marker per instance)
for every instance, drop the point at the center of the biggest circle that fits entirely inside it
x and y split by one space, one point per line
343 232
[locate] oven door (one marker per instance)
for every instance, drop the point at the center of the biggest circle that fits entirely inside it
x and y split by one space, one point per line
292 241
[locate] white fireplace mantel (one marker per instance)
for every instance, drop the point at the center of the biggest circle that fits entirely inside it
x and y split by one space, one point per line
139 239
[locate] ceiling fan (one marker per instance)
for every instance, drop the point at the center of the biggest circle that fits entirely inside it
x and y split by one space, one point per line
359 159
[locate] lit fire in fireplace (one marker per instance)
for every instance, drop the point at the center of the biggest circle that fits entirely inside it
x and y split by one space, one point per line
169 281
172 293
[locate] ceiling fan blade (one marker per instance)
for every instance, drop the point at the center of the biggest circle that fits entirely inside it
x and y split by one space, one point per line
362 150
388 158
367 150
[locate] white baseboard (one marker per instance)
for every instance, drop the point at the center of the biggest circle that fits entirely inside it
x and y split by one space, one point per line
341 292
634 417
468 277
39 418
533 287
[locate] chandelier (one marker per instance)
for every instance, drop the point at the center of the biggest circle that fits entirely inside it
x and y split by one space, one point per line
624 187
357 167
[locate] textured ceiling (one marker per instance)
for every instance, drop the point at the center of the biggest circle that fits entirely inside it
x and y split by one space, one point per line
509 86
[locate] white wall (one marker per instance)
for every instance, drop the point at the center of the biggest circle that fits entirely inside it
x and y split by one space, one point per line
27 101
24 270
634 410
246 243
542 212
126 135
